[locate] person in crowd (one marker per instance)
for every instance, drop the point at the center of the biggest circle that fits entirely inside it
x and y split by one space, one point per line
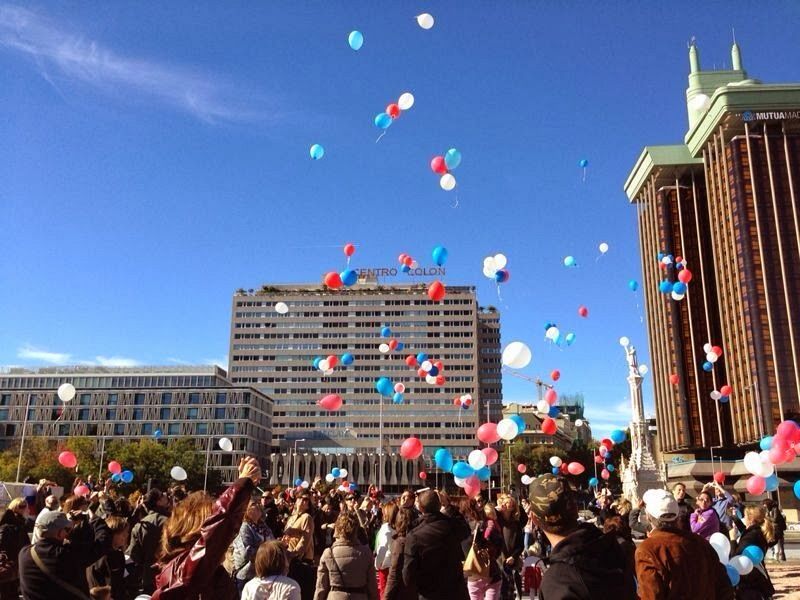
43 492
704 521
146 539
246 545
584 563
602 506
271 513
196 538
488 537
51 568
448 508
396 588
674 563
101 592
684 506
271 583
110 569
511 523
638 526
325 521
721 501
432 553
351 506
346 570
759 531
13 538
778 519
298 535
617 525
383 545
51 503
468 510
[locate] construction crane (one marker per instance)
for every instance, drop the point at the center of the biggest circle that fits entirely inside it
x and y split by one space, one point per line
540 385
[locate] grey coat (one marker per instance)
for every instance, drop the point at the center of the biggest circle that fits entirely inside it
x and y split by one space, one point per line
347 566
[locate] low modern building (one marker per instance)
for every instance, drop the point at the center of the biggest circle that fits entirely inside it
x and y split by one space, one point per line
139 402
567 432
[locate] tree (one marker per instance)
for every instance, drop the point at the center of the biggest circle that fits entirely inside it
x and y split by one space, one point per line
535 457
40 460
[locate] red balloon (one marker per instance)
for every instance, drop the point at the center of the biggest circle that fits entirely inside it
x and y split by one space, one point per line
457 401
439 365
487 433
777 454
393 110
393 344
411 360
333 281
685 276
521 468
331 402
605 474
726 390
717 350
756 485
719 477
563 469
82 490
349 249
411 448
607 443
548 426
467 402
491 455
114 467
408 261
67 459
598 459
551 396
472 486
333 360
555 375
422 373
423 475
674 379
438 165
583 311
402 258
575 468
440 380
436 291
786 429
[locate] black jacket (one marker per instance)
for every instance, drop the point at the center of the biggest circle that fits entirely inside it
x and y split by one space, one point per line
684 510
13 534
68 562
432 558
585 565
145 543
757 579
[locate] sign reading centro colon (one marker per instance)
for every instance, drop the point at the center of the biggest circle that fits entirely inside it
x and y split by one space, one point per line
770 115
393 272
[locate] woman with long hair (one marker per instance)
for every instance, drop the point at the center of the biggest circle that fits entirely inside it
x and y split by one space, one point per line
508 517
383 544
196 537
489 537
13 537
473 516
346 570
271 582
298 535
246 544
396 589
758 532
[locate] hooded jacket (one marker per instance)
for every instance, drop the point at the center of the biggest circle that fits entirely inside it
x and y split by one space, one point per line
588 564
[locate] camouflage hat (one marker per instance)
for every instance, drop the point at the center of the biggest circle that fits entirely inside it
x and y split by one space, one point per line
552 500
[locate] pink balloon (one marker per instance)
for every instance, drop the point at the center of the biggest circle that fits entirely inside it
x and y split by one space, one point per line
487 433
472 486
786 429
67 459
331 402
521 468
575 468
777 455
81 490
411 448
491 455
114 467
756 485
605 474
551 396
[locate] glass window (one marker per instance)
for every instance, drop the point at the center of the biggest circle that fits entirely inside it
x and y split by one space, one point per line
83 414
194 398
192 414
221 397
219 413
86 399
245 413
138 399
5 399
111 414
119 429
4 414
164 414
63 429
202 428
147 429
113 399
166 398
38 429
174 429
138 414
91 429
230 428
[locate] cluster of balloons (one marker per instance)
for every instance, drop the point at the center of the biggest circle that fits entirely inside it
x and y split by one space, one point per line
738 565
604 454
407 262
468 475
494 267
429 370
516 355
443 165
301 483
643 369
336 473
713 354
776 449
355 40
392 344
346 278
464 401
676 289
506 429
722 394
384 120
552 333
547 406
327 365
117 474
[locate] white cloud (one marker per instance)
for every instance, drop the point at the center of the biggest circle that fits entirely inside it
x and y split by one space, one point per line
116 361
54 358
177 361
75 58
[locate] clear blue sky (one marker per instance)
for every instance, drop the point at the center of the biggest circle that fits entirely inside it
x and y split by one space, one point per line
154 158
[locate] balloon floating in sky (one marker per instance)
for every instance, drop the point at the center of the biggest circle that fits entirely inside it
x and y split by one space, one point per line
66 392
494 267
603 247
393 111
443 164
516 355
425 20
569 261
316 151
439 255
405 101
583 163
356 40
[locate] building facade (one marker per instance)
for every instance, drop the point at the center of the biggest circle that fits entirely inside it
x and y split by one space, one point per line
566 433
275 352
139 403
726 201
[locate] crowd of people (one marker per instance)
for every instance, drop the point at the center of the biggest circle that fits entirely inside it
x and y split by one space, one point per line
328 542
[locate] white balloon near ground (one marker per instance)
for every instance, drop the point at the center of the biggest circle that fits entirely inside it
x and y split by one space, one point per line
226 445
742 564
578 422
517 355
722 546
304 485
476 459
178 473
526 479
500 261
677 296
329 478
447 182
555 461
507 429
459 481
623 341
281 308
405 101
425 20
66 392
342 473
543 406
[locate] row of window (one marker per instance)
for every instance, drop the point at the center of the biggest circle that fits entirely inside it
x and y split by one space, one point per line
145 429
112 399
420 302
106 381
431 325
353 313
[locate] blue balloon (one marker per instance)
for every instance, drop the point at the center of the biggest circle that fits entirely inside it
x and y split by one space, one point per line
397 398
462 470
452 159
660 256
316 362
555 470
501 276
405 268
422 357
569 338
484 473
433 372
383 121
618 436
724 399
679 287
349 277
707 366
754 553
766 442
796 489
610 468
569 261
519 421
553 412
384 386
116 478
593 482
157 433
443 459
336 472
440 255
733 575
772 483
665 287
297 482
549 324
126 476
465 406
400 346
353 486
356 40
317 151
583 163
347 359
386 332
633 285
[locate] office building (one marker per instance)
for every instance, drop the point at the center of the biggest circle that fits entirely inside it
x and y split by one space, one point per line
275 352
567 432
726 201
136 403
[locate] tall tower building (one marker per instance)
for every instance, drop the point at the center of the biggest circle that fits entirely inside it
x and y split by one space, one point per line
275 352
726 200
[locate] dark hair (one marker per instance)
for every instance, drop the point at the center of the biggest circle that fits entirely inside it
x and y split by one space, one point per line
151 498
271 559
403 521
429 502
617 525
122 507
346 527
468 509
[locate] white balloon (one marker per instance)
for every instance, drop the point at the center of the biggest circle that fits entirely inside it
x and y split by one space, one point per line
324 365
516 355
578 422
489 272
405 101
66 392
226 444
426 365
383 348
526 479
643 370
489 263
178 473
752 462
500 260
459 481
551 333
507 429
425 20
304 485
447 182
767 468
328 372
712 357
329 478
476 459
414 264
666 260
543 406
281 308
677 296
742 564
722 546
623 341
555 461
707 348
603 247
699 102
342 473
715 395
430 379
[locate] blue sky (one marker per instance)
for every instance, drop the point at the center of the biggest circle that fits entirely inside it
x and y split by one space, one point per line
155 158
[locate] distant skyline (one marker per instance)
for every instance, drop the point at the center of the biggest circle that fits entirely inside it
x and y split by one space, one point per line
146 175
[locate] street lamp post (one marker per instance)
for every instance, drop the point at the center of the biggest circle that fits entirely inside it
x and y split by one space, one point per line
294 460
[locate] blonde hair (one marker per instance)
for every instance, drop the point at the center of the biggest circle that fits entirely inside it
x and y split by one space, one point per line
623 507
182 529
490 512
506 499
16 503
757 515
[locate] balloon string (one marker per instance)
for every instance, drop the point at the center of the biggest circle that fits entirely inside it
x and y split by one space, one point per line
380 136
456 204
584 175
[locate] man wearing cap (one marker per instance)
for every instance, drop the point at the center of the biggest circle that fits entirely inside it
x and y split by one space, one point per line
673 563
584 563
52 569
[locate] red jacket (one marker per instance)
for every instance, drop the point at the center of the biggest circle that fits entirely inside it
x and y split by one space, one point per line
197 573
